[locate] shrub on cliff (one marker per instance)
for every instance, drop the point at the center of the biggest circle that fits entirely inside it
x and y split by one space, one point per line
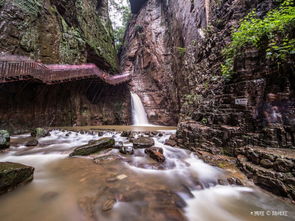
275 30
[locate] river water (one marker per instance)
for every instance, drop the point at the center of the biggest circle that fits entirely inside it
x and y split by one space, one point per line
136 187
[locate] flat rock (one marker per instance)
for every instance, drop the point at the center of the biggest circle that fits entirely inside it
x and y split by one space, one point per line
143 142
94 147
108 159
32 143
14 174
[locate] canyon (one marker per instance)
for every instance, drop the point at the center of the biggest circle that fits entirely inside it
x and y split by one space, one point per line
174 51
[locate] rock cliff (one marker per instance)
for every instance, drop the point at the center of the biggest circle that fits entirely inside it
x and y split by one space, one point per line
54 31
174 50
66 32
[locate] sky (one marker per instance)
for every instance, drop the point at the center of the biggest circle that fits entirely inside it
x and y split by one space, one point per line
115 15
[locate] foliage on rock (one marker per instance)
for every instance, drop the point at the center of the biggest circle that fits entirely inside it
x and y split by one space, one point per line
274 33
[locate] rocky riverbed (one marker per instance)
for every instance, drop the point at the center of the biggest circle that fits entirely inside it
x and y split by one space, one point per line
128 175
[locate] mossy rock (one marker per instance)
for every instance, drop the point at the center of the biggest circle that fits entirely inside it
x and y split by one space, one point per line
4 139
40 132
14 174
94 147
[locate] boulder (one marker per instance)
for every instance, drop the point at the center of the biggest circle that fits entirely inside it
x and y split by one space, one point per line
126 134
127 150
94 147
32 143
4 139
14 174
156 153
40 132
143 142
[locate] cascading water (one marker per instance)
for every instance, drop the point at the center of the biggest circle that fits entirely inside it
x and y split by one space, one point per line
138 112
182 188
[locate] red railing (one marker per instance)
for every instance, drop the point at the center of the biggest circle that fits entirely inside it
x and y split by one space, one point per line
13 68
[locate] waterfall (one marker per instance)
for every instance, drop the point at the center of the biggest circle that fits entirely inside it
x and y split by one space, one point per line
138 112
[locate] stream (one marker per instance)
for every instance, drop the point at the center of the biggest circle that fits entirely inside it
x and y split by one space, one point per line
122 187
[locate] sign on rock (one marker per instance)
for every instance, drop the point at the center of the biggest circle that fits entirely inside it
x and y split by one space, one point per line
241 101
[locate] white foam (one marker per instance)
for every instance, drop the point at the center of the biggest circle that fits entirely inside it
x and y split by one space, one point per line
213 203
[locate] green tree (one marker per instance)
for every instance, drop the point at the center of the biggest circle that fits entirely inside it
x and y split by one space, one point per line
274 33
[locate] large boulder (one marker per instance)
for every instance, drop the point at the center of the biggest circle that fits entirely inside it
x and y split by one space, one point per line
40 132
143 142
94 147
4 139
14 174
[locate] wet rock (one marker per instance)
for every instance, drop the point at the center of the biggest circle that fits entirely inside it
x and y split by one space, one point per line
108 205
126 134
4 139
283 165
171 143
222 182
127 150
94 147
32 143
118 145
253 156
100 133
156 154
40 132
266 163
107 158
239 182
231 180
143 142
14 174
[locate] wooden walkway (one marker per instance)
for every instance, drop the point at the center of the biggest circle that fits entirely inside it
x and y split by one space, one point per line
17 68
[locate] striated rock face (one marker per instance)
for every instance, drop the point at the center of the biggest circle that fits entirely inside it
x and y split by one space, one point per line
173 49
26 105
221 115
58 31
147 56
272 169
